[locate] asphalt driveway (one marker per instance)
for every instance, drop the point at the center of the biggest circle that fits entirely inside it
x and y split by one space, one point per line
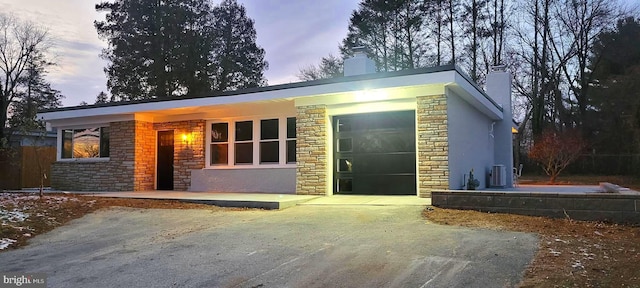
303 246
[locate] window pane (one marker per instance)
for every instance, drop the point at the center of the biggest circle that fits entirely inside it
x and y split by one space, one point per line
219 154
86 143
344 124
291 127
345 165
291 151
344 145
67 144
269 129
244 153
269 152
104 142
219 132
244 131
345 185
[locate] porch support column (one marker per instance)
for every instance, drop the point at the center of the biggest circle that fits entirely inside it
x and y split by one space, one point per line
311 150
433 144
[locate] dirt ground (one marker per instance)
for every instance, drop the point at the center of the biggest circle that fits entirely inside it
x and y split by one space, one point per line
571 253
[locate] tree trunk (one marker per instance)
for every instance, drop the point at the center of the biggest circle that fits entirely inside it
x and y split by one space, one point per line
451 33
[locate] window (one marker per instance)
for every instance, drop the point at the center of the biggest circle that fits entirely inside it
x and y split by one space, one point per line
291 140
269 141
252 143
244 143
85 143
219 143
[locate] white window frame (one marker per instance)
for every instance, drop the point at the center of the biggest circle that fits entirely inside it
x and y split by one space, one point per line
231 122
279 140
287 139
60 145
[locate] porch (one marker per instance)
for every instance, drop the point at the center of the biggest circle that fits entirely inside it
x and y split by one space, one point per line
267 200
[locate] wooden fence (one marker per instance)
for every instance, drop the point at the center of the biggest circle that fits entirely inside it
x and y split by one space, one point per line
20 167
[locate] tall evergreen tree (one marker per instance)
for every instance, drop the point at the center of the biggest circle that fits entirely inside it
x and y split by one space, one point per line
392 31
174 48
614 97
237 61
149 43
36 94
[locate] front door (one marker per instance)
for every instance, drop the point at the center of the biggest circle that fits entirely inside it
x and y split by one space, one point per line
375 153
165 161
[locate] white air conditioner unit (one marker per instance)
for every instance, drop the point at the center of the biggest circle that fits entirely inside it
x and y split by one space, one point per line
498 176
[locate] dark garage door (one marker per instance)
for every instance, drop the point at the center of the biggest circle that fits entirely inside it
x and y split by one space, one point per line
375 153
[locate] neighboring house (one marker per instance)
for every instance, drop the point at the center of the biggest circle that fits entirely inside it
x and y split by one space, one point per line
405 132
33 139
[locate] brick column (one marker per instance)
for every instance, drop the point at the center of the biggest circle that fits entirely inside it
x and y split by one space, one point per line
311 150
145 156
433 144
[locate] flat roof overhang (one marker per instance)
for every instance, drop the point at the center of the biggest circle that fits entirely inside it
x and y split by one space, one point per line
395 85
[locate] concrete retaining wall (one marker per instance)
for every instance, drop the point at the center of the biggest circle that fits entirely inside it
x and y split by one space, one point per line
608 207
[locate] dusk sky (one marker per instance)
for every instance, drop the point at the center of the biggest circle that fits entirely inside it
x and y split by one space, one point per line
294 34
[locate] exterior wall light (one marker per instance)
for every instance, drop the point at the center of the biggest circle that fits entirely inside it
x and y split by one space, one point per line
186 138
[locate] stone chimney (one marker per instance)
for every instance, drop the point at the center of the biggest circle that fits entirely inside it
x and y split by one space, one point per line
499 89
359 64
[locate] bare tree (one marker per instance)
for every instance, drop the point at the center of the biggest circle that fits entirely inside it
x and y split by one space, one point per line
329 67
580 22
20 42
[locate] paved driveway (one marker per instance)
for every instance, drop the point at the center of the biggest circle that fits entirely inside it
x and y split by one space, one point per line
304 246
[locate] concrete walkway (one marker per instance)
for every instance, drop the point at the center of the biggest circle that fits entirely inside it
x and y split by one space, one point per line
269 201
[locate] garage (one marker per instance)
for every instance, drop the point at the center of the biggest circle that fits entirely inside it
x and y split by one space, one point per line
375 153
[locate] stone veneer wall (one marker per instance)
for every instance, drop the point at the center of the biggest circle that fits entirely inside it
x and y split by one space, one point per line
186 156
609 207
119 173
311 150
433 144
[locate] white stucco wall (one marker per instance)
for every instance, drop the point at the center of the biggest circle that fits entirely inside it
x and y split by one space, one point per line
470 142
258 180
499 88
